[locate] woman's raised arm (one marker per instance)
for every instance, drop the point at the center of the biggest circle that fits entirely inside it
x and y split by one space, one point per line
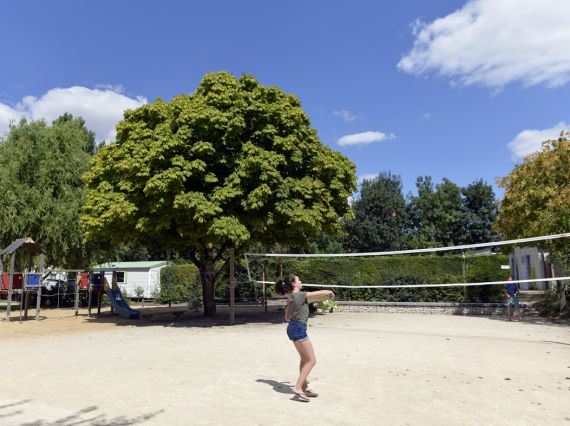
316 296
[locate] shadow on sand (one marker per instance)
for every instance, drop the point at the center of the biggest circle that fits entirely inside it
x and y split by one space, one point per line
85 416
281 387
245 314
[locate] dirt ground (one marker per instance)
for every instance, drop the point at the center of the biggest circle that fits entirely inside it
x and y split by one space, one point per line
372 369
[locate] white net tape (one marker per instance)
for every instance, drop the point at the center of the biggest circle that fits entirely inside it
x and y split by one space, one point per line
428 285
425 250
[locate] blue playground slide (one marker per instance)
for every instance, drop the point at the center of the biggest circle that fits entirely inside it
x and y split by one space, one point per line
120 305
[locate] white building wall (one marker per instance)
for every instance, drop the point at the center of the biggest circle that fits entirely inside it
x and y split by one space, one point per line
133 279
148 280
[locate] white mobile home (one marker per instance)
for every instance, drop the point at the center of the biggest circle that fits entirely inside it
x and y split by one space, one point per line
136 279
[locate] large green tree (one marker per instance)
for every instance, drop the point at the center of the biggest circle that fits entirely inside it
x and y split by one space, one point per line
232 163
380 216
480 213
537 198
438 213
41 186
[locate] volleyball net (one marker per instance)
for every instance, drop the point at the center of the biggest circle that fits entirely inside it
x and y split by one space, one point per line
454 273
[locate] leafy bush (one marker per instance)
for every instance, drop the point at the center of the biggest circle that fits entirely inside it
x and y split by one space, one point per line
180 283
549 305
434 269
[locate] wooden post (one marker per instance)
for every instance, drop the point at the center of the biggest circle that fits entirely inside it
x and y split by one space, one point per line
25 292
77 281
25 300
463 270
232 288
102 290
90 295
10 284
264 297
39 298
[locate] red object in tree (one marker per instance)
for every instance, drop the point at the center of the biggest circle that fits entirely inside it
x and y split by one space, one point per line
394 215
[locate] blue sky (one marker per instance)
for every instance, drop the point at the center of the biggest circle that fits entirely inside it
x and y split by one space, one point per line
456 89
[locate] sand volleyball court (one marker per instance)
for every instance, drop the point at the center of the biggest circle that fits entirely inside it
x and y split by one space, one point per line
372 369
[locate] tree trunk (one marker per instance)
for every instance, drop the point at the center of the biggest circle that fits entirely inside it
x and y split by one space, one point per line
207 277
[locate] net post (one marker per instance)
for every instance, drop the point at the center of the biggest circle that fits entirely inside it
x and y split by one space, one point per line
264 299
232 287
76 298
463 269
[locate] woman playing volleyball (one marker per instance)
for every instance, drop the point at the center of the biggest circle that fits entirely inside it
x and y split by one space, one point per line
297 313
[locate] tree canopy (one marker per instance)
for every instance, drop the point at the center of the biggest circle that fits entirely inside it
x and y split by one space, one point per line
537 197
438 213
232 163
41 186
380 215
481 210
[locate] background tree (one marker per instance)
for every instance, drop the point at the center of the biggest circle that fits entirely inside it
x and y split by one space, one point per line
537 198
480 213
232 163
438 214
41 187
380 216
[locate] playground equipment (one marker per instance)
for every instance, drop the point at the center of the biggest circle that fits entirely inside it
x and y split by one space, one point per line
118 302
30 282
96 285
14 282
81 286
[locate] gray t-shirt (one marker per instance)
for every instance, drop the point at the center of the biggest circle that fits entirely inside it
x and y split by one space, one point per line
297 302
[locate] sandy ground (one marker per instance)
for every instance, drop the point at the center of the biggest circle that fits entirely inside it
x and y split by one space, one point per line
372 369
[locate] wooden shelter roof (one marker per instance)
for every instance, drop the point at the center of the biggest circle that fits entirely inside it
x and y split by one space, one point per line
29 245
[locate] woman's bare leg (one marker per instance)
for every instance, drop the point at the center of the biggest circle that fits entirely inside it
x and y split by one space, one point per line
302 362
308 361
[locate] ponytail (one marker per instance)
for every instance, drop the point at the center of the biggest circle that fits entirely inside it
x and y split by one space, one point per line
285 285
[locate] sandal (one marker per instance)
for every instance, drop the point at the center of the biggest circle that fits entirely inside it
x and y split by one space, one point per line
301 397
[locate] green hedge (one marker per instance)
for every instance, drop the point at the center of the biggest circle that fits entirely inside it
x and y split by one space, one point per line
394 270
182 282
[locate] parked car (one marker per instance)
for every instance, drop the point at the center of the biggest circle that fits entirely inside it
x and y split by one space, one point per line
58 292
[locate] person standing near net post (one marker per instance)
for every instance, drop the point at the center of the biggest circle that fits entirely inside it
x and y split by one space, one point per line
512 293
297 313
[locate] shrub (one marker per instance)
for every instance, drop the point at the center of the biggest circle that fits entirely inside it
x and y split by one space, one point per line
397 270
180 283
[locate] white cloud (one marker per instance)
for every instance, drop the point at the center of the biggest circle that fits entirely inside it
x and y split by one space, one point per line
364 138
100 108
370 176
8 115
345 115
496 42
529 141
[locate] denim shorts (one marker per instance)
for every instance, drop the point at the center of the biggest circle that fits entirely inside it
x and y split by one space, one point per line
513 302
297 331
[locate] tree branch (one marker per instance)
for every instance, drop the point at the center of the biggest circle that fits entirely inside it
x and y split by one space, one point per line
193 258
220 253
221 268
